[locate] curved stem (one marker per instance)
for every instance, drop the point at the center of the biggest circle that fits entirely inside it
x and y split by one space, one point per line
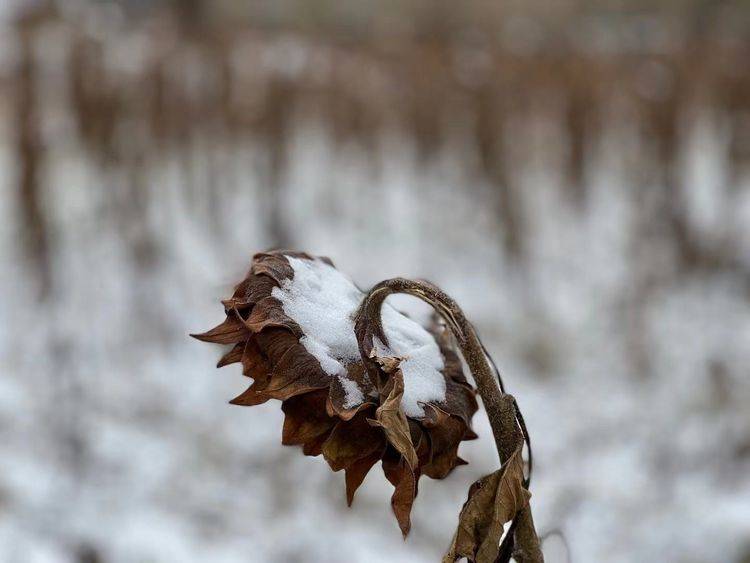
501 407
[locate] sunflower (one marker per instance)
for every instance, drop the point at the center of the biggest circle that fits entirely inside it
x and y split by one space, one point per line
401 400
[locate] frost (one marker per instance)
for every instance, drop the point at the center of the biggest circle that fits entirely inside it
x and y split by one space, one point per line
323 302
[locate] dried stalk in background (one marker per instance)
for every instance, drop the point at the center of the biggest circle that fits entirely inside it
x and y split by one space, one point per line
497 498
459 91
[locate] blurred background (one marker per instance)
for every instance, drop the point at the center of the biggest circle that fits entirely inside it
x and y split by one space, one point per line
576 174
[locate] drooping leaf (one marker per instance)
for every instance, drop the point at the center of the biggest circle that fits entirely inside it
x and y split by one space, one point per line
403 478
390 416
493 501
446 433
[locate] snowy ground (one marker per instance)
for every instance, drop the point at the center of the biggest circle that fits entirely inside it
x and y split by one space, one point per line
115 433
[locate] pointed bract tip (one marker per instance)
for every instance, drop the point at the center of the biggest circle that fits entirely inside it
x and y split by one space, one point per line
204 337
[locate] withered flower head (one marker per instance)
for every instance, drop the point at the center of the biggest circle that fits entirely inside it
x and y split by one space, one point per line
291 324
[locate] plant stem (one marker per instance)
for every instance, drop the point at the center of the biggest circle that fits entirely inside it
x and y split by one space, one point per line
500 407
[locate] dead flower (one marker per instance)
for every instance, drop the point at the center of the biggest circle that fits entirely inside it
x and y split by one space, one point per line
291 324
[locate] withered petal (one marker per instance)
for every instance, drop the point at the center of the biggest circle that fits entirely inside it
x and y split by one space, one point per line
251 396
345 413
254 364
445 439
350 441
460 400
391 418
422 443
306 419
315 446
250 291
356 472
230 331
470 435
238 296
268 312
275 342
296 373
233 356
273 265
401 476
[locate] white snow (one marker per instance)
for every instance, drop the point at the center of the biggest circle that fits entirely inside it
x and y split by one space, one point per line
354 395
422 362
323 301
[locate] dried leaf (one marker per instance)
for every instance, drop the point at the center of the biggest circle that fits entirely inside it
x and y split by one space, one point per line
493 500
386 363
401 476
392 419
446 433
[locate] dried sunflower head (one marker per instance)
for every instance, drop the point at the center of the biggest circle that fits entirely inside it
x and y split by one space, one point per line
408 405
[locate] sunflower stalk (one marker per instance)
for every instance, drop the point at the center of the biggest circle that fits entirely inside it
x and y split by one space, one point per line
501 407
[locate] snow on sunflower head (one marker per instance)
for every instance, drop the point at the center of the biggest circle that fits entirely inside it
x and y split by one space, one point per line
291 322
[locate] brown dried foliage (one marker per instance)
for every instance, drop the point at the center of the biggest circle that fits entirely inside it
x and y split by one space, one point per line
494 500
317 417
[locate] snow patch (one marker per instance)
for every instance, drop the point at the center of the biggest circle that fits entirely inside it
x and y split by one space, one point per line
323 302
354 395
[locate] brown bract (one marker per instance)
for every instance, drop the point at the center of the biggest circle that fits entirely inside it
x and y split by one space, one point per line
318 416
